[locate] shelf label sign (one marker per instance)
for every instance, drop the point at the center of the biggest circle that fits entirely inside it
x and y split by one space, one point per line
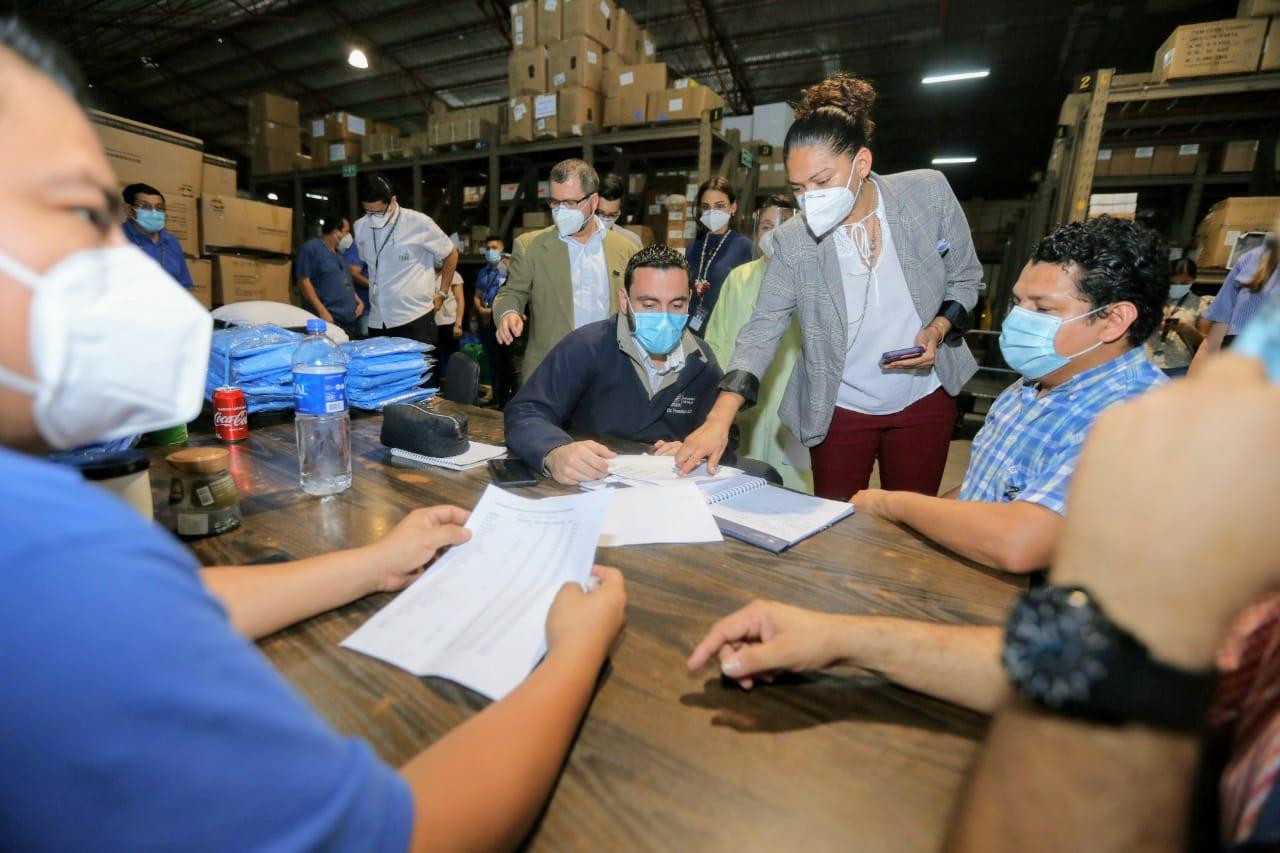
349 170
745 158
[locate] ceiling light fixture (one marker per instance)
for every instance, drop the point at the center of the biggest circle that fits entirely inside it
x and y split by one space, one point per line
272 197
954 161
357 59
956 76
317 196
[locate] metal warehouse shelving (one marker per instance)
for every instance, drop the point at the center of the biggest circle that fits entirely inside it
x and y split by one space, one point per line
1113 109
693 145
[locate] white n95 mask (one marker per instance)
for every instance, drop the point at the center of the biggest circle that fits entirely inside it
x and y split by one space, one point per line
117 347
825 209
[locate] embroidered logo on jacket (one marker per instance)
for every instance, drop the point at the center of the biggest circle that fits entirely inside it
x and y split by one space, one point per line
682 405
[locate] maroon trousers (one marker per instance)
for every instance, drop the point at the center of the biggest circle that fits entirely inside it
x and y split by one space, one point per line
911 447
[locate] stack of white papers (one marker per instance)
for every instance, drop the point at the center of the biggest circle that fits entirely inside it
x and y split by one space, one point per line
475 455
478 616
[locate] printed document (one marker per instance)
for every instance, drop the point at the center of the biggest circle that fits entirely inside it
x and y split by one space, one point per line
478 616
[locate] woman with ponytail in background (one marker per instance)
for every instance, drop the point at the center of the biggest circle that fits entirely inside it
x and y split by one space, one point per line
878 264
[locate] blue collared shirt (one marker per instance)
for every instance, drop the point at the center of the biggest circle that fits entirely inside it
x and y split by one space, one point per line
166 251
1028 448
488 282
1235 303
352 259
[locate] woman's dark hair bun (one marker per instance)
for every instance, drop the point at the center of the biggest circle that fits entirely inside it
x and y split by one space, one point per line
850 95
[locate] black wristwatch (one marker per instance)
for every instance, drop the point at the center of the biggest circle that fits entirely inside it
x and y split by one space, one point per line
1062 652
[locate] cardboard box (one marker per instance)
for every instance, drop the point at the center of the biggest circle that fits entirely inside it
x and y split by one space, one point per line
140 153
303 161
535 219
328 153
682 104
577 108
465 130
1218 47
1271 48
644 232
1238 156
381 143
1122 164
548 26
575 61
626 37
519 119
265 107
1102 165
627 111
218 175
227 222
544 116
648 47
527 71
201 270
237 278
1144 158
629 79
594 19
271 161
1230 218
507 192
1175 159
338 126
271 135
182 221
612 60
524 24
1257 8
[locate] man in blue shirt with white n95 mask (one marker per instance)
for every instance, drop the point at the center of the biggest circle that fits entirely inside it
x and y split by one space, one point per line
1086 302
638 375
138 714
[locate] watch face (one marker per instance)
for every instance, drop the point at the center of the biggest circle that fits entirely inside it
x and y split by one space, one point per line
1055 649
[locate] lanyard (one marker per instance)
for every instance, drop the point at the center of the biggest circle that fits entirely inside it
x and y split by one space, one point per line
377 255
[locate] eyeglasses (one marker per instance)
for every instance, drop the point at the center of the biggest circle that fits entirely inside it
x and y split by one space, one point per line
720 205
567 203
145 206
612 217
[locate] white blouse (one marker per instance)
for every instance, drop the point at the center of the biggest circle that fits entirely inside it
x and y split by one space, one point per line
881 318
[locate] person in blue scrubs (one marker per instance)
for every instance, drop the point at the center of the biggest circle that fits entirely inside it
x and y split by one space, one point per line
324 279
138 713
145 229
359 278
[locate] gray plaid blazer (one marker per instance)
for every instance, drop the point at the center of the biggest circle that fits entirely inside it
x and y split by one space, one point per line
935 248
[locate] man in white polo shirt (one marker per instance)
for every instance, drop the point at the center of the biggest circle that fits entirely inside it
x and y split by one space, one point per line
400 246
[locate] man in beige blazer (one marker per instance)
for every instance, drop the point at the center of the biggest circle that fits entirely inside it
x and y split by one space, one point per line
565 276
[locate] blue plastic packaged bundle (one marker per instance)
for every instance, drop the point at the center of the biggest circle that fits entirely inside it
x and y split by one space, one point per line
258 361
386 370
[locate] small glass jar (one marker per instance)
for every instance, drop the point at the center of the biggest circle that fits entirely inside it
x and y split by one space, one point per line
203 498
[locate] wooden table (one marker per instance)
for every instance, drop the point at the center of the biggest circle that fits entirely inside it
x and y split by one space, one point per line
665 760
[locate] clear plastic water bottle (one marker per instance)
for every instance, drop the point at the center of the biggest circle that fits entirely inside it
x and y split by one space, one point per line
321 421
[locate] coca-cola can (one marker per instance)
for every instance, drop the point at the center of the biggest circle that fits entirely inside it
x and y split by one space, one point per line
230 414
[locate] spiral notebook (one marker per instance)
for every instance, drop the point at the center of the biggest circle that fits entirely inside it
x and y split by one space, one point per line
749 509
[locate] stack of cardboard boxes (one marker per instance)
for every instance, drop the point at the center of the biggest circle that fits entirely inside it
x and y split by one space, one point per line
586 62
1242 45
1144 160
246 244
336 139
274 135
471 127
668 209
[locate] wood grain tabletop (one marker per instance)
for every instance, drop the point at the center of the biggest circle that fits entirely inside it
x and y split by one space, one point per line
664 760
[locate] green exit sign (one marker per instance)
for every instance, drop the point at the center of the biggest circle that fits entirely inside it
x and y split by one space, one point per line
349 170
744 157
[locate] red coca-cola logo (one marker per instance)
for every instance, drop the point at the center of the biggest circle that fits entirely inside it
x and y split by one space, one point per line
234 418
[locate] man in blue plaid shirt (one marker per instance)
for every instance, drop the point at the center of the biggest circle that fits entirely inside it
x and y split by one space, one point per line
1086 301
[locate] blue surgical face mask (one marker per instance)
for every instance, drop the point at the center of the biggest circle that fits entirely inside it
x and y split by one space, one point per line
492 256
1027 341
1178 291
658 331
151 221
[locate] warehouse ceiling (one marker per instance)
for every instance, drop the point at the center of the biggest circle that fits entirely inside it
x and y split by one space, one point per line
190 65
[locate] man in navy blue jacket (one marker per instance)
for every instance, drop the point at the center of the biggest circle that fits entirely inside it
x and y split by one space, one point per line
638 375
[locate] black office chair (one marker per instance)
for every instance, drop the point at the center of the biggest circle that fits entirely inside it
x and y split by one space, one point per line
461 380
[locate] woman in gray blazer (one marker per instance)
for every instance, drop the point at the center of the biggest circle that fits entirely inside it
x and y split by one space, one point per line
877 264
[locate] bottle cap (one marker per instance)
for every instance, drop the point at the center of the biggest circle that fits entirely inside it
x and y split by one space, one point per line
316 327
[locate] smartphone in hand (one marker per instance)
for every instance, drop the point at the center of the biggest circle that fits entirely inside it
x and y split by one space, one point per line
901 354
